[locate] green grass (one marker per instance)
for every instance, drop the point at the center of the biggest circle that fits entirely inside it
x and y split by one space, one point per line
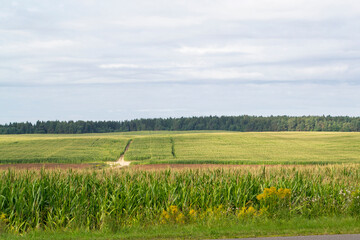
150 148
60 148
247 148
220 229
126 203
270 147
186 147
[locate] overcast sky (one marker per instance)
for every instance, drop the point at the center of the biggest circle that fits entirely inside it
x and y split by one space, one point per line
117 60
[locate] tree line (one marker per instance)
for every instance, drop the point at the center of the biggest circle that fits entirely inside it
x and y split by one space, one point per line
230 123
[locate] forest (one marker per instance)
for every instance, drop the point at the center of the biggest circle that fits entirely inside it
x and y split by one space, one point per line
242 123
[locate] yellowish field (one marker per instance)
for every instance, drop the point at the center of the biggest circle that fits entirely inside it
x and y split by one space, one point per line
185 147
60 148
270 147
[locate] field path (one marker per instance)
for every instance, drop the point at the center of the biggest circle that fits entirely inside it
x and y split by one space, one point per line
121 161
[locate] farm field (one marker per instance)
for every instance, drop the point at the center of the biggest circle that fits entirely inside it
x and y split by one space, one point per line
185 148
247 148
289 183
207 203
60 148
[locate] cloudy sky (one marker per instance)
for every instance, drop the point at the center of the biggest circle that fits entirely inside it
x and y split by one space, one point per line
117 60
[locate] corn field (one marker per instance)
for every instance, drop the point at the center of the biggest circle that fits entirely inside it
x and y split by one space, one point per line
114 198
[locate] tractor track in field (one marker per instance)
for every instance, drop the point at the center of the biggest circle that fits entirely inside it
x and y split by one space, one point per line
37 166
121 161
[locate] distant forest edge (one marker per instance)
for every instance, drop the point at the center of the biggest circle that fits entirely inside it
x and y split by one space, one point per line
229 123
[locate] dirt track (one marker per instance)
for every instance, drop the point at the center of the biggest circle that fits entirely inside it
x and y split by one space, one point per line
21 166
45 166
121 163
197 166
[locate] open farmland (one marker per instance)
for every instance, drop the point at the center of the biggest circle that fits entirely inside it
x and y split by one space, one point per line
185 147
60 148
212 201
248 148
130 203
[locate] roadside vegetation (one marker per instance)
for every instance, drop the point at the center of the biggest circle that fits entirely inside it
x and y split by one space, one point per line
115 200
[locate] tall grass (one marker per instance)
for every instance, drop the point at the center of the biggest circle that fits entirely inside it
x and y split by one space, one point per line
96 200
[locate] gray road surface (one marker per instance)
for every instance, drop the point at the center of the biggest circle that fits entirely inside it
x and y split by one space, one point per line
318 237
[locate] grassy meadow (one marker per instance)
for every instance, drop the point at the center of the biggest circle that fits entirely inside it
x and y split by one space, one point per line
185 147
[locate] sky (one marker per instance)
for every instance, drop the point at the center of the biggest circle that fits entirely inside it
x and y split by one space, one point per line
119 60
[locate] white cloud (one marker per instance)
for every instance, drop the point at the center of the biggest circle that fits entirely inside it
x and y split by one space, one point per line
118 65
50 44
182 44
321 70
275 9
33 46
223 74
245 49
156 21
33 9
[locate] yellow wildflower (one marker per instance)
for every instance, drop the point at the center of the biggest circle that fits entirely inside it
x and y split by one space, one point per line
192 214
246 212
173 209
180 218
165 215
272 192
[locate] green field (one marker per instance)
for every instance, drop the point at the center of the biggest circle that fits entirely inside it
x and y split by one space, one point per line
60 148
185 147
112 203
130 203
